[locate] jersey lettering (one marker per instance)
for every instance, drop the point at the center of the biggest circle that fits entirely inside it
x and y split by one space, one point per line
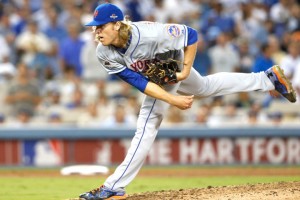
142 65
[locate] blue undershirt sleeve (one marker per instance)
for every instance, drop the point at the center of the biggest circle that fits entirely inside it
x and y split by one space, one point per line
192 36
133 78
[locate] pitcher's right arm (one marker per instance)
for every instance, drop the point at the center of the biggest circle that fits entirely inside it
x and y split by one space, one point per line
151 89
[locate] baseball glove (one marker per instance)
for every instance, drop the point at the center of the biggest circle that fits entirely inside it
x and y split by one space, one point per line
162 72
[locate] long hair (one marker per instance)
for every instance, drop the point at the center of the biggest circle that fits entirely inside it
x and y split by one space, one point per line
125 32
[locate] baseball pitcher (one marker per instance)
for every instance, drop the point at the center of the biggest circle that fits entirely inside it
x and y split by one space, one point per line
157 59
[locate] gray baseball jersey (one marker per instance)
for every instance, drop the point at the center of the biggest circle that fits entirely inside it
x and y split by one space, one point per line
149 41
152 41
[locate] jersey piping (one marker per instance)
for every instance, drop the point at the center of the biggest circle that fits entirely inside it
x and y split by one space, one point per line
185 36
137 145
131 55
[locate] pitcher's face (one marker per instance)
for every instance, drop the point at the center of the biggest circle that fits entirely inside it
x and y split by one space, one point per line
107 34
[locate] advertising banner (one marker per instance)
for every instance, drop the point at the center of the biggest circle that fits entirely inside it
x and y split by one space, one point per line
164 151
220 151
42 152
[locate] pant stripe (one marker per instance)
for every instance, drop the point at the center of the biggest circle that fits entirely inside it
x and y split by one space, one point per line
137 145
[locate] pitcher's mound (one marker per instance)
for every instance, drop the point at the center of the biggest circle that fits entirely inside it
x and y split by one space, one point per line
264 191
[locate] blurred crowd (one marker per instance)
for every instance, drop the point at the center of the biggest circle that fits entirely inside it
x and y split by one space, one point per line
49 73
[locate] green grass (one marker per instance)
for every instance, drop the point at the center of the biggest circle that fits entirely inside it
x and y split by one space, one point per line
60 188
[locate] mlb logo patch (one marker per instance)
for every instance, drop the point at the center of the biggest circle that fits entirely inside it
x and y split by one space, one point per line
173 30
113 16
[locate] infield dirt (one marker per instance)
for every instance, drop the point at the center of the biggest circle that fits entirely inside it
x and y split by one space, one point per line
266 191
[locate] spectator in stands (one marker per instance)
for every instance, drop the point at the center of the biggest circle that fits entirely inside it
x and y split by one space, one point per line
231 114
70 11
68 83
294 22
227 115
71 47
252 118
133 105
223 56
280 14
263 60
51 103
9 36
257 107
202 62
21 17
54 30
277 53
291 60
4 50
41 15
244 100
23 93
55 119
75 106
262 35
23 118
217 18
276 118
249 27
33 47
134 10
119 118
77 101
246 58
56 34
202 115
174 117
90 63
7 69
106 106
90 117
159 12
126 90
245 23
259 11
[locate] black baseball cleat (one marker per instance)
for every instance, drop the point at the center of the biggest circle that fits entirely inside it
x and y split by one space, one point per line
281 83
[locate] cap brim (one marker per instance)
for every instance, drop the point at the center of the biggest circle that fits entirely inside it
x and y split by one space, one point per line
95 23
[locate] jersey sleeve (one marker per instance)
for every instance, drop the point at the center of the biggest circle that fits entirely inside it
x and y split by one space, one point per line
109 60
133 78
175 37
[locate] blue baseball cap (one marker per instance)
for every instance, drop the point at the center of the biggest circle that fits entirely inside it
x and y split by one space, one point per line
106 13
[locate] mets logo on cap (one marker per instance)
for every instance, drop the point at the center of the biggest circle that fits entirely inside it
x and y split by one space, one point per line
96 13
173 30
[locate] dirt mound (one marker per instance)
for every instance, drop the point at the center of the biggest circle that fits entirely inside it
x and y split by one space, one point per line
265 191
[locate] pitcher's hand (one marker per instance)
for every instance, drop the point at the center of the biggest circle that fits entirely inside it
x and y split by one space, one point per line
182 102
